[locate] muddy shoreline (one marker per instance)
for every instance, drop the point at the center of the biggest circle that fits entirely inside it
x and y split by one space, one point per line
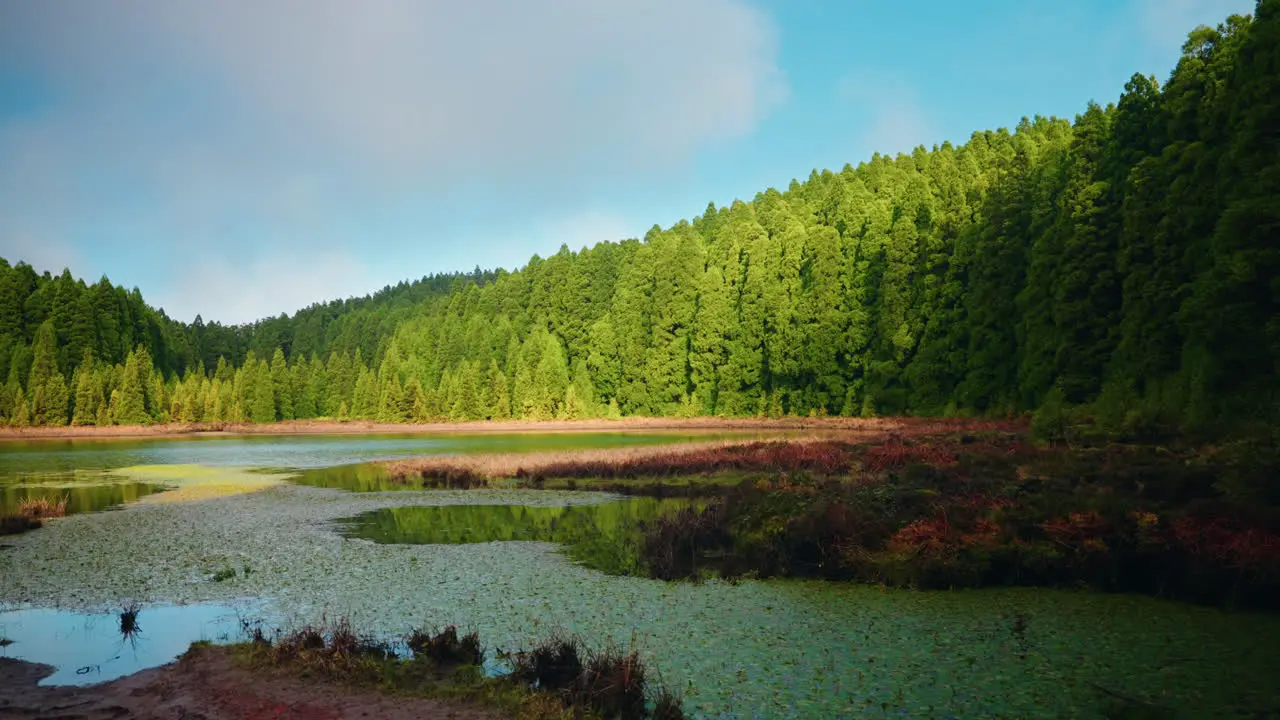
207 684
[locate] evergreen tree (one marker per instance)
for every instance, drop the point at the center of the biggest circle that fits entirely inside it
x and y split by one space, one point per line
364 403
88 392
281 387
130 401
499 397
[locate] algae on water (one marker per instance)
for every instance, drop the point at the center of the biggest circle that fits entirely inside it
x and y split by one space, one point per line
767 649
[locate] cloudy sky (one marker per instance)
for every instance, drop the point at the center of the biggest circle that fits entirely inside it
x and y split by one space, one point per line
239 159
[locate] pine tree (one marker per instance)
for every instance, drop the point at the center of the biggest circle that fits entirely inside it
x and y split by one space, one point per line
260 392
130 401
281 387
88 397
364 403
499 397
21 412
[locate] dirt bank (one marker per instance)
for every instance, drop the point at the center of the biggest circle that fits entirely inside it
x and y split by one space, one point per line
205 684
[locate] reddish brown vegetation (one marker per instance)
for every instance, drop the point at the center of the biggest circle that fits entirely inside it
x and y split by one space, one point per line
820 457
1229 542
895 453
41 508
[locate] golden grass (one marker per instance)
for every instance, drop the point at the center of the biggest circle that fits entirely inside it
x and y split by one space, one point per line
509 465
802 430
42 508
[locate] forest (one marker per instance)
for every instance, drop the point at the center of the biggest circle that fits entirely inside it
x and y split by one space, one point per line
1122 268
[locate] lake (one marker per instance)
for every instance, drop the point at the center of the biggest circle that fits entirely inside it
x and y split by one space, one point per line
517 565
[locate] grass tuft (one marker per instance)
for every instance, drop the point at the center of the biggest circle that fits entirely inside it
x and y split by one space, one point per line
554 664
446 647
129 620
556 679
43 508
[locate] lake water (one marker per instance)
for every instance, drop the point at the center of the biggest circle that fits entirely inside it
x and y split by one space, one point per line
518 564
82 469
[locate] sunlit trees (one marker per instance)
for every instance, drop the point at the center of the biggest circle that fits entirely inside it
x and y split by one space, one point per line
1122 262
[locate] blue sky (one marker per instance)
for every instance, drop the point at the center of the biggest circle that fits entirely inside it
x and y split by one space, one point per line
246 159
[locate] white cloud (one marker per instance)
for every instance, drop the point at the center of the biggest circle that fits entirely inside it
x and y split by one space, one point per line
164 132
238 292
42 252
398 89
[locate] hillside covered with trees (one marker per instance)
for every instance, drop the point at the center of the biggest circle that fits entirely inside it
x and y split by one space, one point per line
1125 265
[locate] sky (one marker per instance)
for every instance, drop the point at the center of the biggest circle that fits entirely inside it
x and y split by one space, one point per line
243 159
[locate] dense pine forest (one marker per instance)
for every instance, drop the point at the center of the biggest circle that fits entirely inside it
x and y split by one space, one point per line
1123 267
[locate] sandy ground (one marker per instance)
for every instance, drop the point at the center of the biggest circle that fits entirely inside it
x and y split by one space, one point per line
206 685
320 427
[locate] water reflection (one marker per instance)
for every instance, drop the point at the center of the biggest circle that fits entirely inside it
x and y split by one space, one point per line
298 451
604 536
82 494
366 477
88 648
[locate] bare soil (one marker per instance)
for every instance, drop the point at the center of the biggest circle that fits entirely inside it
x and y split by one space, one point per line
204 684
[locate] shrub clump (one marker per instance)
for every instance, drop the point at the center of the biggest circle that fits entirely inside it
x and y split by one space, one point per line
608 682
14 524
42 508
446 647
555 676
331 648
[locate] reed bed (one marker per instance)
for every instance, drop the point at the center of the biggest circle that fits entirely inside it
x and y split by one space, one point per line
43 508
824 449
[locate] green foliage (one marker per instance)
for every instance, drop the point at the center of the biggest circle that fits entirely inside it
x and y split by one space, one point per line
1121 265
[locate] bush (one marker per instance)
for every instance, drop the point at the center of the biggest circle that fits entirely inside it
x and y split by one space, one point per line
446 648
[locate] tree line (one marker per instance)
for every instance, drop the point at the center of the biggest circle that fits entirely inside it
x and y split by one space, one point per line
1123 263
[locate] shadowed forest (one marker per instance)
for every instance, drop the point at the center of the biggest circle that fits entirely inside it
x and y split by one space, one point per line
1119 268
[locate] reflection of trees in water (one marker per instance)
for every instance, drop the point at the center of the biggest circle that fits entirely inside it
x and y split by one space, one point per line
604 536
83 493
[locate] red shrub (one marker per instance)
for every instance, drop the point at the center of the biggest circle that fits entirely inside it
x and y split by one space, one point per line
825 458
929 535
894 453
1227 541
1079 530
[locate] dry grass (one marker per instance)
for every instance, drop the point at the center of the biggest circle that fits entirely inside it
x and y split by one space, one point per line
468 470
689 457
43 508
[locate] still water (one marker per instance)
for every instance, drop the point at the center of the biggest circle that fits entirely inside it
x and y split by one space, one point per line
81 469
